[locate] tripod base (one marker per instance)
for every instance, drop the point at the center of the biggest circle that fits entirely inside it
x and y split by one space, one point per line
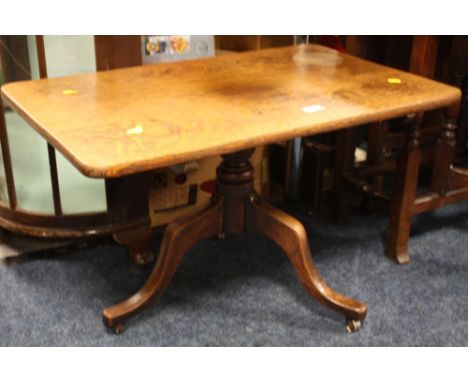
234 208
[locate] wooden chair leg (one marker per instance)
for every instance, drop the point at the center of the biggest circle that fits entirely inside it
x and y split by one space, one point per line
445 152
375 156
375 151
462 132
344 161
459 74
404 193
178 238
291 236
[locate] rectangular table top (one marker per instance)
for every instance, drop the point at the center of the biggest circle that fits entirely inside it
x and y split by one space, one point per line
125 121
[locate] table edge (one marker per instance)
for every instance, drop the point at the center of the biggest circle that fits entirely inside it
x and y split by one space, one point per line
144 166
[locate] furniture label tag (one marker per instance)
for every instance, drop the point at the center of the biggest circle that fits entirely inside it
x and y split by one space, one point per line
138 129
394 80
313 108
70 92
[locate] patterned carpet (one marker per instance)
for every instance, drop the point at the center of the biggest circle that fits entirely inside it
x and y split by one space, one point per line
245 293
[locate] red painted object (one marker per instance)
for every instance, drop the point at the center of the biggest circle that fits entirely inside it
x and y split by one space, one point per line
208 186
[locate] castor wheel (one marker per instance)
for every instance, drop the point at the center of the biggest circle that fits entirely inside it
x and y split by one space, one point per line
353 325
118 328
221 236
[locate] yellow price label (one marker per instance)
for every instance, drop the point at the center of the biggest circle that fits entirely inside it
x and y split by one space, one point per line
394 80
70 92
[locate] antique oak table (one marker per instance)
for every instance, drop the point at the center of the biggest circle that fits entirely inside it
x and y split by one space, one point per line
121 122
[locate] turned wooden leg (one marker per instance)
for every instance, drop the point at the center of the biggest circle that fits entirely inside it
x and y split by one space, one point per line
291 236
344 161
137 241
445 152
404 193
375 151
462 132
459 73
178 238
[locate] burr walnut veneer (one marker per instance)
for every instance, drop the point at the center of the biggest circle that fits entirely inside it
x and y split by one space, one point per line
126 121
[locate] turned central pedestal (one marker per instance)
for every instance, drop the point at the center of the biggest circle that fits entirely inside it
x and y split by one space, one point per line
235 207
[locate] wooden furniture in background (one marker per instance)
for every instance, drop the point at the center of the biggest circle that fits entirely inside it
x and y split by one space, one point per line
14 58
382 143
459 74
241 101
449 184
115 52
128 222
243 43
382 139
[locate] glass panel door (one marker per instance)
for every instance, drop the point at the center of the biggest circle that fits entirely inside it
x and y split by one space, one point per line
66 55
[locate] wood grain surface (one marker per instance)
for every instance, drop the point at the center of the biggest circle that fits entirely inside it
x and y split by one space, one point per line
125 121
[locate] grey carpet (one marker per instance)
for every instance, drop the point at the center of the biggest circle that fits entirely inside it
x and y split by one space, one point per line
243 291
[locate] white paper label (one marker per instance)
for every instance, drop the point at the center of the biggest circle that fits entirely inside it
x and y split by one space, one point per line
313 108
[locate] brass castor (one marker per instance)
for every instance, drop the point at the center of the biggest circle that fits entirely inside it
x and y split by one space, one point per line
118 328
352 325
221 236
142 258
